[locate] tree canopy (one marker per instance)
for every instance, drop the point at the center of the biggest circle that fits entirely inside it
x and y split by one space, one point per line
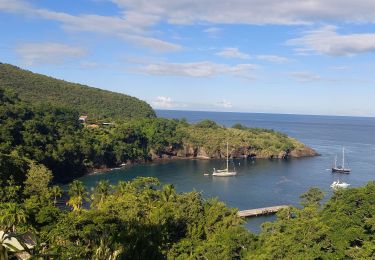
96 103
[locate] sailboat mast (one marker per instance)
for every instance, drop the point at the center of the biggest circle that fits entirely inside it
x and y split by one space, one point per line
343 158
227 158
335 161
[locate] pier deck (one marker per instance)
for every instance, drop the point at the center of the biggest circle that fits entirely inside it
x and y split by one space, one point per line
260 211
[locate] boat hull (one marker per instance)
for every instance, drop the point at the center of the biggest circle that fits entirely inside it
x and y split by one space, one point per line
340 170
340 186
224 174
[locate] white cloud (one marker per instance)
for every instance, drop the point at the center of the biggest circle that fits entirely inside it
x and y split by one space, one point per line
145 13
212 31
47 53
225 104
13 5
197 69
253 11
132 27
165 102
327 41
272 58
233 53
162 102
153 44
305 76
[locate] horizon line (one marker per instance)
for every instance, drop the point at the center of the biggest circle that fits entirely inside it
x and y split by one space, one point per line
270 113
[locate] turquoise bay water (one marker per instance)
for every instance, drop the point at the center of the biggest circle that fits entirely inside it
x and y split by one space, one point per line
262 183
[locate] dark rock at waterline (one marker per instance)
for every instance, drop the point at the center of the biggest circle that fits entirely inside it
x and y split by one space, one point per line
303 152
189 151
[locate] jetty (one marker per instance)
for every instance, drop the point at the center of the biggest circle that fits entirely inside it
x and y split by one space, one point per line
260 211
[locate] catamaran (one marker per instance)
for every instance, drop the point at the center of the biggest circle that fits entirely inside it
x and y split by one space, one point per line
341 168
224 172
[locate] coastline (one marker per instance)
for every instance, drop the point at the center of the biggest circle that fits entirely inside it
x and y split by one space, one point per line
294 154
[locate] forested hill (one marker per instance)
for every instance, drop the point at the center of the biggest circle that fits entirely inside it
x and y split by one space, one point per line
36 88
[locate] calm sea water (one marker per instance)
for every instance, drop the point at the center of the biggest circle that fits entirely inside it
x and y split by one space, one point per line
261 183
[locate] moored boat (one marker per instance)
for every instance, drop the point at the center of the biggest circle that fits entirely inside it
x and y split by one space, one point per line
340 168
225 172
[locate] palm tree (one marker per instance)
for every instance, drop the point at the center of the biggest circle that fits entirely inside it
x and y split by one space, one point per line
168 192
11 215
122 187
104 251
56 193
78 194
101 191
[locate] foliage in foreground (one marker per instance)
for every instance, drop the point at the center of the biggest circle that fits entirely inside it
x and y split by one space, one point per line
343 228
132 220
140 219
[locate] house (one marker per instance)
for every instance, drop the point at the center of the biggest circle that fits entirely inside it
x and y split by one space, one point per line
82 119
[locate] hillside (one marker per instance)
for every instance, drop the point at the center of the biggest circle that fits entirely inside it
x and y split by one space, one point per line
36 88
207 140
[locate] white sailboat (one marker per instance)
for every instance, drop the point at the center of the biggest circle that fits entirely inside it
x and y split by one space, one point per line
341 168
224 172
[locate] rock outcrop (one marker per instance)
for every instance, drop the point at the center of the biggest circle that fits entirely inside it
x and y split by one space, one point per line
189 151
303 152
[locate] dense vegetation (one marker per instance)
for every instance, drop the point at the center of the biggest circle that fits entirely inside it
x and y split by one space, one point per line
52 136
97 103
141 220
263 143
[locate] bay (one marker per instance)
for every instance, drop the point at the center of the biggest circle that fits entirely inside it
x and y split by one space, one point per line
262 183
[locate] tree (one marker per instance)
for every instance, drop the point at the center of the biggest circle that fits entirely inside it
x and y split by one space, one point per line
104 251
56 192
37 182
312 197
78 195
101 192
207 124
11 216
10 191
168 192
239 126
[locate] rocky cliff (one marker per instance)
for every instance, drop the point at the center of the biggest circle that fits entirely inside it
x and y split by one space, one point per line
196 152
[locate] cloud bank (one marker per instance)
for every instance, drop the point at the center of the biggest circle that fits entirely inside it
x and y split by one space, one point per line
326 40
285 12
197 69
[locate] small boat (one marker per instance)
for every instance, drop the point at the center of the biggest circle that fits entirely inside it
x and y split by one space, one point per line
225 172
337 185
205 174
340 168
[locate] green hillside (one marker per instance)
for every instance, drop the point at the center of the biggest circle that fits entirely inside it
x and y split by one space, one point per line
97 103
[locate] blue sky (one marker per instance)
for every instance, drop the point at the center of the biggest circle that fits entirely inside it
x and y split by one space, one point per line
276 56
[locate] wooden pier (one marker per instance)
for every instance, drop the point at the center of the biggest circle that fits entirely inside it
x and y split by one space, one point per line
260 211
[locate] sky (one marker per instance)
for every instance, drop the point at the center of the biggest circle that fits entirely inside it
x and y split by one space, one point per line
269 56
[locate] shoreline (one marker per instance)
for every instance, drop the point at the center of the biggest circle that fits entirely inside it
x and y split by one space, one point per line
105 170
